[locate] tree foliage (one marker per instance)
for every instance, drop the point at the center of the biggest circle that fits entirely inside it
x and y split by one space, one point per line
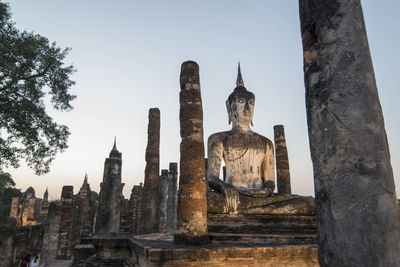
7 192
31 68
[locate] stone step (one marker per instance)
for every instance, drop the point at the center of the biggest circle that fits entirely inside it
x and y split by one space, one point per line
262 230
261 224
262 218
251 239
100 262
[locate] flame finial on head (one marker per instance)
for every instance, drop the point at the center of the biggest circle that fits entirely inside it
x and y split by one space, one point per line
239 80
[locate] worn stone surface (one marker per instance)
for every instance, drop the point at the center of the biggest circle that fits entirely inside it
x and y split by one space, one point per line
136 206
249 176
105 251
66 223
126 216
51 230
27 209
356 210
158 250
172 202
164 182
282 161
7 240
45 207
87 214
192 200
248 156
109 208
151 195
275 204
262 229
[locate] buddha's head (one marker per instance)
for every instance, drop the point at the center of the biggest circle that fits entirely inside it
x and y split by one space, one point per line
240 103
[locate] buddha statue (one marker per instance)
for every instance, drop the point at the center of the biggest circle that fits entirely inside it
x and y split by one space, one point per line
250 165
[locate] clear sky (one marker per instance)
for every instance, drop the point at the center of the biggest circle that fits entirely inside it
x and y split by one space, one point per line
128 56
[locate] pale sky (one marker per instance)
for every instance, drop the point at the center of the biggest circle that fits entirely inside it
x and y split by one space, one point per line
128 56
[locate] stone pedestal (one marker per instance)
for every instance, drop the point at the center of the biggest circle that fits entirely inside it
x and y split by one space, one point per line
192 200
357 221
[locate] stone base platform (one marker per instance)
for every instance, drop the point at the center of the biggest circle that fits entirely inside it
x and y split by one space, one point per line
262 229
236 240
159 250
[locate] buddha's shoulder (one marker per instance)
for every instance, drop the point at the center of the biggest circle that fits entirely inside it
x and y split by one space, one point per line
218 137
262 139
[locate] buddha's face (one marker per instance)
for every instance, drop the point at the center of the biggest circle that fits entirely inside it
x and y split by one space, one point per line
242 109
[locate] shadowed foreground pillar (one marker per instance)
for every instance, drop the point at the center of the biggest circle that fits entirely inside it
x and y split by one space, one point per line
151 196
192 201
282 161
356 211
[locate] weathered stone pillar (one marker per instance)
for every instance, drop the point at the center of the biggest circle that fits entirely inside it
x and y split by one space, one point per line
44 209
282 161
51 233
172 201
66 222
192 200
151 195
136 206
108 215
164 181
84 197
356 210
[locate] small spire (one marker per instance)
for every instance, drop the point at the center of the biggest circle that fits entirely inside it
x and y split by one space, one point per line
115 143
46 194
114 151
239 80
86 178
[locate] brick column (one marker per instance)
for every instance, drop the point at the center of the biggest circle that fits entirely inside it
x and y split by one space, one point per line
282 161
66 222
164 181
172 197
357 221
135 205
192 200
151 196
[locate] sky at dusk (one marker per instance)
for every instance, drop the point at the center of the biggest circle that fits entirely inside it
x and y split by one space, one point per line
128 56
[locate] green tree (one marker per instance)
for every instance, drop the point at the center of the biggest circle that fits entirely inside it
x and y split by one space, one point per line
31 68
7 192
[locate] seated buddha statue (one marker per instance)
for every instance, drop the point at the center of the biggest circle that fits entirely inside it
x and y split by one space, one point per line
250 165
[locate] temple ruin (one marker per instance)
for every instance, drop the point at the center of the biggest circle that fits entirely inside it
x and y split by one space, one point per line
249 216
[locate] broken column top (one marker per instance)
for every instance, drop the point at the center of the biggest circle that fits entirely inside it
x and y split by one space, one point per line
189 73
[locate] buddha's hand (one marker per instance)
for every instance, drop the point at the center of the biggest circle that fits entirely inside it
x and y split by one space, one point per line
232 198
262 192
